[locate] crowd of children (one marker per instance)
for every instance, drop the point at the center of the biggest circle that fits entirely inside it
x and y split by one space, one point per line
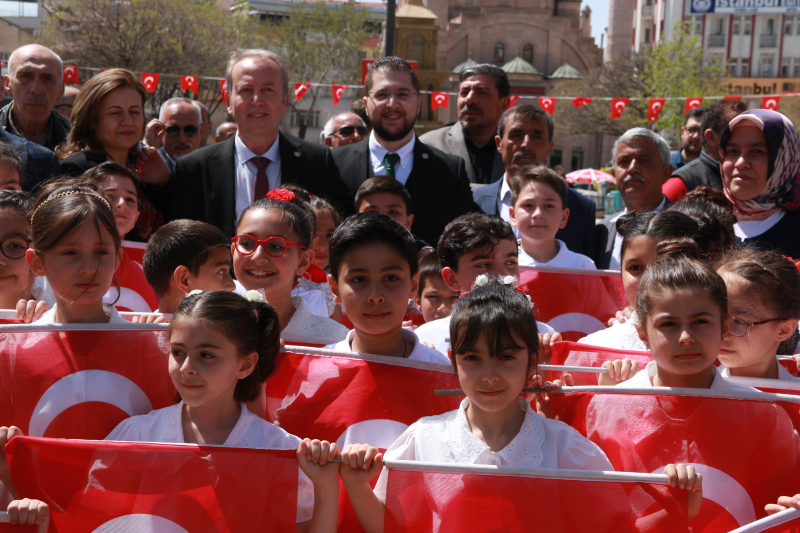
296 270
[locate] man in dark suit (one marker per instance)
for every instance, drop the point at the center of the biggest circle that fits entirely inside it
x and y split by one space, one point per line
216 183
524 137
483 95
641 166
437 182
39 163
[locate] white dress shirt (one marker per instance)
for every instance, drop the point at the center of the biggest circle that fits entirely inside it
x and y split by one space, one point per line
246 171
565 258
406 152
616 261
420 352
504 204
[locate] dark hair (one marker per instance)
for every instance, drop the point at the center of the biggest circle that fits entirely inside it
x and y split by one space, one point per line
528 111
383 184
470 232
531 173
105 169
390 65
714 117
665 225
180 242
291 213
358 108
500 77
251 326
501 314
9 158
678 267
19 201
696 112
430 267
368 229
321 204
302 199
720 220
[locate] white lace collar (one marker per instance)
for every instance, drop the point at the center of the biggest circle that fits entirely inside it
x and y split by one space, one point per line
172 427
525 450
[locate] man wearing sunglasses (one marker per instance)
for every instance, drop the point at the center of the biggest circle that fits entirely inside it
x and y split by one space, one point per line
343 129
178 128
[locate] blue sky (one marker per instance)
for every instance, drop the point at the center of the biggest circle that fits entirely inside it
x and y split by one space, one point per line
599 17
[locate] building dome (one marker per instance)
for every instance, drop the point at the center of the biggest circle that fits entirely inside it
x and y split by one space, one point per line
567 71
520 66
466 64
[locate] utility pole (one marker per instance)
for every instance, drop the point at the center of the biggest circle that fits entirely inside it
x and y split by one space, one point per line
391 6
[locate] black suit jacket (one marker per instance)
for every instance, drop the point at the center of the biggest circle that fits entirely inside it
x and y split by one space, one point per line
204 185
39 164
438 185
606 234
579 234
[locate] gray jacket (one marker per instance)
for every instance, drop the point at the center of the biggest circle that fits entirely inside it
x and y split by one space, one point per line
450 140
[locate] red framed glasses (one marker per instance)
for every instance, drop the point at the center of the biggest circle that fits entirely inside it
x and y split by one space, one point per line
274 246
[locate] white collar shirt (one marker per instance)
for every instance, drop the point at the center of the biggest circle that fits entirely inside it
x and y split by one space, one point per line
504 204
406 152
246 171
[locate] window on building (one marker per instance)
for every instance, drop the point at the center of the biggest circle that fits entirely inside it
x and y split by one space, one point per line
769 26
698 25
647 35
744 71
796 68
788 25
766 67
527 53
737 25
555 158
577 159
797 29
648 2
499 53
784 68
733 67
719 28
748 26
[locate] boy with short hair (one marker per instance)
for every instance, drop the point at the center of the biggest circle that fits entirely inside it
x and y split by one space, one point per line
10 168
471 245
374 272
435 299
185 255
538 210
387 196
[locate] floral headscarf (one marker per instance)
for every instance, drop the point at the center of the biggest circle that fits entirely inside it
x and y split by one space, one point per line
782 189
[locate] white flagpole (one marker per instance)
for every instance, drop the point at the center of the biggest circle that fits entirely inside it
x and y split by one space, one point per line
770 521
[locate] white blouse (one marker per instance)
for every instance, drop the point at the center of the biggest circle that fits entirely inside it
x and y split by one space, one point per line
437 333
783 374
250 431
621 335
419 353
540 443
644 379
115 318
304 324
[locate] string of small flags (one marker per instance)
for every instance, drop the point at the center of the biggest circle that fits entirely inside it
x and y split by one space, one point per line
441 100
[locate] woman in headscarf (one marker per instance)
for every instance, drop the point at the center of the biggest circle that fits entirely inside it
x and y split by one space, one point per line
760 154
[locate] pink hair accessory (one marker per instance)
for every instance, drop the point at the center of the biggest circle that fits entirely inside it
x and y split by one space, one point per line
282 195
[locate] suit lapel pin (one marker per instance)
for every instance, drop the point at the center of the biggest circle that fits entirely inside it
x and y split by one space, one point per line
424 156
297 154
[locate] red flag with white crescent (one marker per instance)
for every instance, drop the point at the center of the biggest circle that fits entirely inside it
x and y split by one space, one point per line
71 74
692 103
439 100
618 106
548 104
770 102
224 91
189 83
135 293
654 108
580 101
338 90
150 81
300 90
513 99
141 486
81 384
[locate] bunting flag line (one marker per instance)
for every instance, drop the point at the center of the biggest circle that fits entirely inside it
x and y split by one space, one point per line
654 107
692 103
618 106
439 100
337 91
732 97
581 101
548 104
134 486
300 90
71 75
189 83
224 91
770 102
150 81
513 99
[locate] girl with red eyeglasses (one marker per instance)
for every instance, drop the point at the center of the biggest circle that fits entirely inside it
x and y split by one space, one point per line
272 247
16 278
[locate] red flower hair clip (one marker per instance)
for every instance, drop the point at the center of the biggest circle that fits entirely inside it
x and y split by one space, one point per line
796 263
282 195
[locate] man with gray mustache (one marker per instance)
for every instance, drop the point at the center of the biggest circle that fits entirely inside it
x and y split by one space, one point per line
641 166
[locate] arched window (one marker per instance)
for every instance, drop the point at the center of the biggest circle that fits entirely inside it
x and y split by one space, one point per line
499 53
527 53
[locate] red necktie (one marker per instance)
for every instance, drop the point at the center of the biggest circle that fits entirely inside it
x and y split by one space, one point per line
262 182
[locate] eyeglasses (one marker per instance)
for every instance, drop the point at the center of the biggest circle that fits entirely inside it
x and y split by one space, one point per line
740 327
347 131
274 246
15 247
175 130
694 131
400 96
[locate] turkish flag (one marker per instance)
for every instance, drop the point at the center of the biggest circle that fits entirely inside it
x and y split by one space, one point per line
439 100
135 486
355 400
426 500
581 101
748 451
337 92
770 102
300 90
737 97
575 354
618 105
224 92
189 83
71 74
692 103
574 302
150 81
513 99
654 107
548 104
81 384
134 294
